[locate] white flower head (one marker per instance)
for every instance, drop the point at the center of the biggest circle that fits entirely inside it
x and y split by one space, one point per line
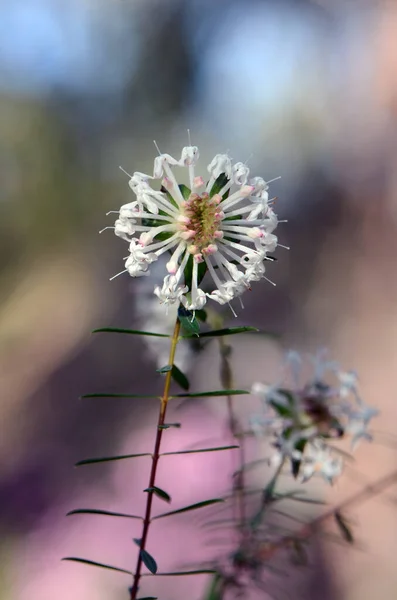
223 227
306 417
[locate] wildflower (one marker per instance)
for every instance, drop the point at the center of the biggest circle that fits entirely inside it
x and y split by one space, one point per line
359 419
319 458
303 418
223 227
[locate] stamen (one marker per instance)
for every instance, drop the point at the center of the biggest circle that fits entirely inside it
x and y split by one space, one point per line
157 148
124 171
121 272
104 229
275 179
269 280
231 308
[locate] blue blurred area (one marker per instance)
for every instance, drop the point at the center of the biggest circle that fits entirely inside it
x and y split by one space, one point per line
81 46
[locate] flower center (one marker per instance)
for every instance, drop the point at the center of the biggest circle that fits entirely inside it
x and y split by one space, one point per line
200 219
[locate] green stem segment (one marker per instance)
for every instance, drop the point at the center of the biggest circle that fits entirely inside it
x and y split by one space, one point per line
155 460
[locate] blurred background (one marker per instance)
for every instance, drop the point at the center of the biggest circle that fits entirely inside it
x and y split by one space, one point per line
302 89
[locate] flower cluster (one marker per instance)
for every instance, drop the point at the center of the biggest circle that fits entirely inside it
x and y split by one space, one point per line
304 418
223 226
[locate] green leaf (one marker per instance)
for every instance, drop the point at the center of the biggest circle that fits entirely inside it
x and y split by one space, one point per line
201 315
94 511
165 369
129 331
214 592
219 183
168 425
170 198
281 409
110 395
227 331
182 573
200 450
190 507
185 191
188 272
295 496
91 461
159 492
214 393
96 564
180 378
188 322
176 374
148 561
343 527
137 541
296 464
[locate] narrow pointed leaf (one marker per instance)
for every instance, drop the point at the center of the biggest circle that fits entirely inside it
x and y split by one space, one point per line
214 393
168 425
219 183
190 507
182 573
159 493
180 378
148 561
170 198
185 191
91 461
94 511
111 395
137 541
92 563
297 497
200 450
129 331
226 331
188 272
148 598
189 322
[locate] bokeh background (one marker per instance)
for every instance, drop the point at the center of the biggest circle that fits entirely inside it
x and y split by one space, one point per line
302 89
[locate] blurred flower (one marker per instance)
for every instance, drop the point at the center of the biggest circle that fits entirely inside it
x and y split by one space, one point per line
303 418
320 459
223 226
153 318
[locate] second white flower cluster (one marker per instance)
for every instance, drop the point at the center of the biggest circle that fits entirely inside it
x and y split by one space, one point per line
303 419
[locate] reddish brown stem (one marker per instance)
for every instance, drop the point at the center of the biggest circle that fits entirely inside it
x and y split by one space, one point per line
155 459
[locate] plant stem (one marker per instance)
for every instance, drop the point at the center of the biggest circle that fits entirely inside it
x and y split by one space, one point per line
310 528
155 460
235 430
267 497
